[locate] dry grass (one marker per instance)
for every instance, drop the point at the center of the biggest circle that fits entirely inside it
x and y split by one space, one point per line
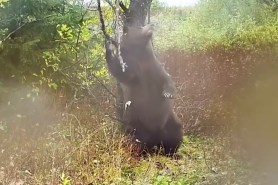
41 144
47 139
208 84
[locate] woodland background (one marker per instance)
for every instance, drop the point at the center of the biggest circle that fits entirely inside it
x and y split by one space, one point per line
57 100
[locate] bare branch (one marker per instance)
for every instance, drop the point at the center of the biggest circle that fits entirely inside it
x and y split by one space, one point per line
8 36
101 19
103 85
23 25
123 7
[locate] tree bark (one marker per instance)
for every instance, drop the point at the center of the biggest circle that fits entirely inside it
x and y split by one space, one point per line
137 12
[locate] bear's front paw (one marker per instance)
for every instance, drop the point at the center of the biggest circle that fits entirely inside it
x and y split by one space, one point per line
127 104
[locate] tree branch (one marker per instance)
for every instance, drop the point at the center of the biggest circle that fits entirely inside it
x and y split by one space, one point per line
123 7
103 85
10 34
102 20
23 25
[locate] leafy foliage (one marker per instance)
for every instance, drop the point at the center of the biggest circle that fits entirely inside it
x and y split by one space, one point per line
58 44
229 24
53 43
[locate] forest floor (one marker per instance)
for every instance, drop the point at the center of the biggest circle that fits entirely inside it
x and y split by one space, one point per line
43 145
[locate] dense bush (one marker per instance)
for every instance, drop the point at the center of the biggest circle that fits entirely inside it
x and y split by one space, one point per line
54 138
53 44
216 23
59 43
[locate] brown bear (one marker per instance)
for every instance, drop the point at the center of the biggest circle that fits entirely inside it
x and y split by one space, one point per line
148 92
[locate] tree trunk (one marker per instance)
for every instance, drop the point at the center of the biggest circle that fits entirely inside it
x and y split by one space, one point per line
137 12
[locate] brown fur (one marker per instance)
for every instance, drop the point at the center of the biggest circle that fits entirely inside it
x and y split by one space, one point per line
149 117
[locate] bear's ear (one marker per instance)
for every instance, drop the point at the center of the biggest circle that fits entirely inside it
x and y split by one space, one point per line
148 30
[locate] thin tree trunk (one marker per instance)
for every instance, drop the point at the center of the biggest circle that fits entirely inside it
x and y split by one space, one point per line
137 12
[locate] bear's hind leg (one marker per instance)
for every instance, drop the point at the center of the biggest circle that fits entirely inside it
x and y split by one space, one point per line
171 136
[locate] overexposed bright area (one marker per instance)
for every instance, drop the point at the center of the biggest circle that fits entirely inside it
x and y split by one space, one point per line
179 2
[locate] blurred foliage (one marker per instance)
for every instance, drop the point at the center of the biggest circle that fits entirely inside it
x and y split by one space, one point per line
54 43
58 43
249 24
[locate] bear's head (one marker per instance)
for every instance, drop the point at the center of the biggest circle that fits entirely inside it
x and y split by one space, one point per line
135 38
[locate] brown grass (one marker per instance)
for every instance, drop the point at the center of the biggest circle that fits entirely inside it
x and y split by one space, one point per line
70 139
207 85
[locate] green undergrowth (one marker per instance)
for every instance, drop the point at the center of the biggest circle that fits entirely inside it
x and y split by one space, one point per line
40 144
216 24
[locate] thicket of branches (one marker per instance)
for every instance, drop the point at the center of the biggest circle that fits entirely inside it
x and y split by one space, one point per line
59 44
